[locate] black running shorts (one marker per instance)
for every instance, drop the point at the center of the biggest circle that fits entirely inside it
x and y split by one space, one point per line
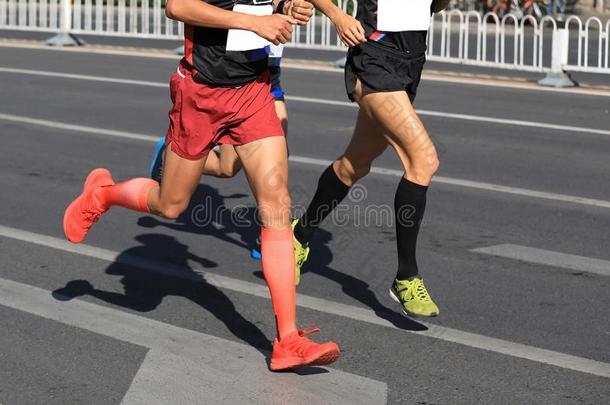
382 69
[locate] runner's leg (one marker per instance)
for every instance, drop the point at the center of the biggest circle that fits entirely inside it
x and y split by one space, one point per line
407 135
282 114
366 144
405 132
224 163
266 166
265 163
100 193
180 179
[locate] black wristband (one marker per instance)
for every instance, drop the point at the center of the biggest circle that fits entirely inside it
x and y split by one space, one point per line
280 7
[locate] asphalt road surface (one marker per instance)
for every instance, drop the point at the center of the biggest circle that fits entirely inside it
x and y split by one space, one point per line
514 249
331 56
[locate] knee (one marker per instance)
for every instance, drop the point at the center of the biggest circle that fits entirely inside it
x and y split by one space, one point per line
229 167
227 172
172 210
350 172
275 200
422 170
274 208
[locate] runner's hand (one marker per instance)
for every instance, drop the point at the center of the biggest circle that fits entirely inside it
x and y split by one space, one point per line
349 29
276 28
300 10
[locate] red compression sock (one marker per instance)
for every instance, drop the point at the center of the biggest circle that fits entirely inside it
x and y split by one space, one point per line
279 269
132 194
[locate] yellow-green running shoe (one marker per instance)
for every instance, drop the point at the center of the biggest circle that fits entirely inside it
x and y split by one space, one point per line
300 254
413 297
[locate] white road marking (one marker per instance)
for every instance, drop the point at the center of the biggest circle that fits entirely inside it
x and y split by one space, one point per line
518 123
548 258
441 114
430 75
192 367
298 64
90 78
475 184
467 117
192 384
321 162
77 128
474 340
94 49
513 84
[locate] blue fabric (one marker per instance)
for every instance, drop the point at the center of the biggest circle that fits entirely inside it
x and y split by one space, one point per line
258 54
158 150
278 93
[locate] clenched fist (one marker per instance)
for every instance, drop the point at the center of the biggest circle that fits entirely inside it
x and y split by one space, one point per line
275 28
300 10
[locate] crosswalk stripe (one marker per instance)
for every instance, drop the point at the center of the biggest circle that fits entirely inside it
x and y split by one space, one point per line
548 258
185 366
474 340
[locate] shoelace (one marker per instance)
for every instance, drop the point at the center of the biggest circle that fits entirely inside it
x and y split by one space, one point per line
417 290
303 332
420 290
301 345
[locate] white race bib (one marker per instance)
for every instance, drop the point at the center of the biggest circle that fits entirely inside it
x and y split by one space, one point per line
242 40
403 15
276 51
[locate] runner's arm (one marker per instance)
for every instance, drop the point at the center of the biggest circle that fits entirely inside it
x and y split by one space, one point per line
275 28
199 13
349 29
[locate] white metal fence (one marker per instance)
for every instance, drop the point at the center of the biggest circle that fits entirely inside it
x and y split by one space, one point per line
520 44
455 36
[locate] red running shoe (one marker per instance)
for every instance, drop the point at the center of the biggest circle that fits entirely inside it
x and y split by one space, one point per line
295 350
85 210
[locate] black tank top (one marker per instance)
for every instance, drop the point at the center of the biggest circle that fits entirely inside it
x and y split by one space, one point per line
205 50
413 42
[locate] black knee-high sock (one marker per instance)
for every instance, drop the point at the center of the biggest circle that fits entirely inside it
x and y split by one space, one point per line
409 207
331 191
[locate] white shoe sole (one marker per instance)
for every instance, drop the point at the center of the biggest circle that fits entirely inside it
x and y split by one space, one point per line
395 298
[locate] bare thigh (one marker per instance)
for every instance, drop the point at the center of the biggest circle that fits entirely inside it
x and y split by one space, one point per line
265 163
404 131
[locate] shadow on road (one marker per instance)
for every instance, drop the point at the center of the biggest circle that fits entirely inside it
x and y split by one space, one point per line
144 290
208 214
